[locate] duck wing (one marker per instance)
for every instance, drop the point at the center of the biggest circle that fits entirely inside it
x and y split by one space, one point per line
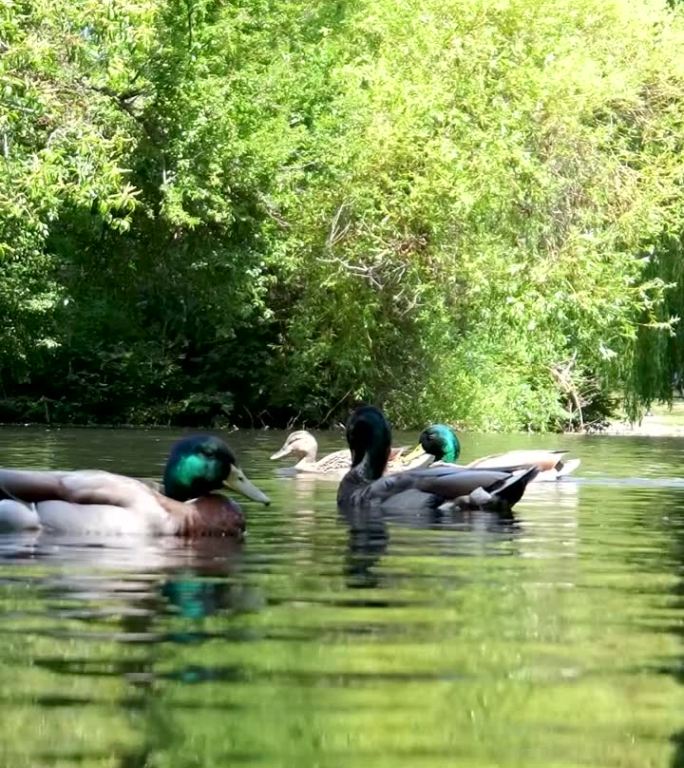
86 501
337 461
80 487
541 458
452 481
550 463
29 486
467 488
151 483
500 496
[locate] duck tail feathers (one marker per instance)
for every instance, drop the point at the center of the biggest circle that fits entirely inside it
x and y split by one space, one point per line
509 491
568 467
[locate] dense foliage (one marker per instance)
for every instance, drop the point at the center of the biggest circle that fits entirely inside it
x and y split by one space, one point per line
267 209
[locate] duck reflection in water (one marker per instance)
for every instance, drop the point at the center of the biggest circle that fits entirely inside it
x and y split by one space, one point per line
120 593
463 534
200 589
368 538
142 578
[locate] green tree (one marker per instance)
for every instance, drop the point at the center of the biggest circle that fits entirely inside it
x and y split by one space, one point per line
262 210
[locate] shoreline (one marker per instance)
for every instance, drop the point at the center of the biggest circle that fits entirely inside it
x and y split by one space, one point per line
660 421
625 429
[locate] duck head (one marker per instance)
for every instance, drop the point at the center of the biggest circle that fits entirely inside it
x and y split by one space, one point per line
437 441
200 464
370 438
441 441
301 443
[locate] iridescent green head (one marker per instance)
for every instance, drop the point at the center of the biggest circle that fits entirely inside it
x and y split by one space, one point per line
369 437
441 441
200 464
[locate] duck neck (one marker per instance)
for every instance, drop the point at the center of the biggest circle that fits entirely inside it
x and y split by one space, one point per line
369 437
373 463
311 452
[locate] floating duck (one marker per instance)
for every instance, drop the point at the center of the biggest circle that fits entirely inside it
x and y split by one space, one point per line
441 442
99 502
305 446
446 487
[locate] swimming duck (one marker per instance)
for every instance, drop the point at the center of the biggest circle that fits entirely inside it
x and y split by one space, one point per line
303 444
369 437
441 442
94 501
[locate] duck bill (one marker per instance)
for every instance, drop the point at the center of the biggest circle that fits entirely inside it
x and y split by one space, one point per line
284 451
416 453
237 481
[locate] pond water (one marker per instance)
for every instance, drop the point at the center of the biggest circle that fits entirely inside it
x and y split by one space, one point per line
555 640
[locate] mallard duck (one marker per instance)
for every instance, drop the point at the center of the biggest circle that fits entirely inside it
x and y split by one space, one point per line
441 442
304 445
94 501
369 437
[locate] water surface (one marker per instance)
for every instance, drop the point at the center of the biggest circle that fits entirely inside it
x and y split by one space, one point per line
554 640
